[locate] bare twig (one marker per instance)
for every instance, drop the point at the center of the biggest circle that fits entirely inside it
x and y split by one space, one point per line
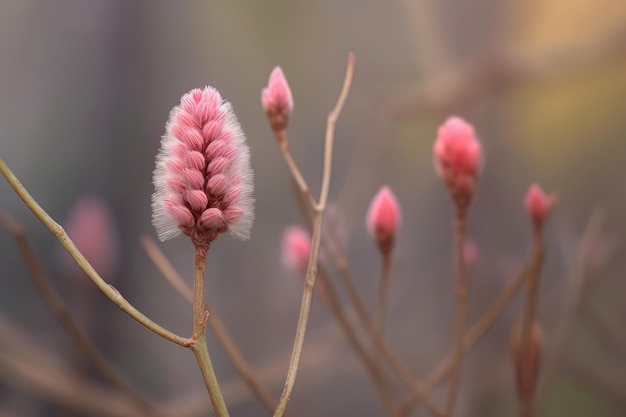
64 316
318 221
69 246
477 331
27 367
462 288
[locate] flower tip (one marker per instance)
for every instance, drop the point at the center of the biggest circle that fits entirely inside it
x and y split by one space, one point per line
457 155
538 204
296 248
383 218
277 100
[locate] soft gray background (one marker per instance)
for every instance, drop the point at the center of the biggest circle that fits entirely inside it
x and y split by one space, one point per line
85 89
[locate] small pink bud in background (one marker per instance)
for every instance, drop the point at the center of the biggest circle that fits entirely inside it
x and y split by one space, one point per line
458 159
203 180
277 100
296 249
538 204
470 253
90 226
383 218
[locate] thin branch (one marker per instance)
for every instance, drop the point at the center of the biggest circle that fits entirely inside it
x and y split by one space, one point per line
69 246
318 222
381 346
168 271
224 338
371 366
296 174
462 289
478 330
383 289
63 315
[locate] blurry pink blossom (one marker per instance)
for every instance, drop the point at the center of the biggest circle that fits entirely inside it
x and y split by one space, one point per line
470 253
383 218
458 159
90 226
277 100
203 180
538 204
296 248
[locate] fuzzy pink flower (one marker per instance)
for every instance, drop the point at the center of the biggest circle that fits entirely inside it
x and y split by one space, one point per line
383 218
90 226
277 100
458 159
538 204
296 248
203 180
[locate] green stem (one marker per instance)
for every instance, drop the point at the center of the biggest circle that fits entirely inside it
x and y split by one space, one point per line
199 348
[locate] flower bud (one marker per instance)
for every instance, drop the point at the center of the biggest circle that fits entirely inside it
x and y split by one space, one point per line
538 204
383 218
91 227
296 249
277 100
458 159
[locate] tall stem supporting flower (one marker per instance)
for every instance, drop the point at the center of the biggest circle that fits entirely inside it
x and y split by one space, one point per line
214 323
199 348
462 289
383 290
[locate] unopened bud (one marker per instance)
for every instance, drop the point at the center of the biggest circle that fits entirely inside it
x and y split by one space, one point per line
458 159
383 218
277 100
538 204
296 249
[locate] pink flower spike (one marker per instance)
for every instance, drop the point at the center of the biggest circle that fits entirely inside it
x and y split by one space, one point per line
203 170
277 100
296 249
383 218
538 204
458 159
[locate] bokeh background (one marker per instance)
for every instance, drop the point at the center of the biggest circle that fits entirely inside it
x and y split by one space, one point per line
85 90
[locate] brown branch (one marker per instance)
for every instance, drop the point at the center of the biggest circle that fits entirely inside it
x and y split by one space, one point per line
318 221
56 305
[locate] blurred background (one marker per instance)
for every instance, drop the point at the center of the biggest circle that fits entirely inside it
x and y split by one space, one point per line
85 90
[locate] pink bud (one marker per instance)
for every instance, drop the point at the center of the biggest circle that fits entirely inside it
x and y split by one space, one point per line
470 253
203 180
296 248
91 228
538 204
458 159
277 100
383 218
